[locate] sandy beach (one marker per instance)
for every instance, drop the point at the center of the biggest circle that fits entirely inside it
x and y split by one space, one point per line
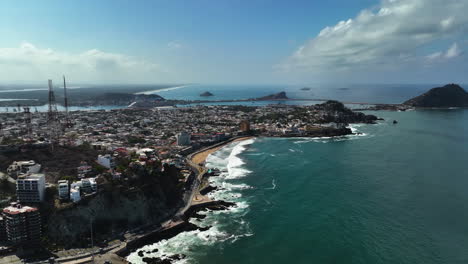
201 156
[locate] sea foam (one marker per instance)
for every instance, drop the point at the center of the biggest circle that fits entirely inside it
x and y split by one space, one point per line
226 226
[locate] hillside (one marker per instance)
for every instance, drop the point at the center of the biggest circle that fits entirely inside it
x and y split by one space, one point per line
450 95
60 161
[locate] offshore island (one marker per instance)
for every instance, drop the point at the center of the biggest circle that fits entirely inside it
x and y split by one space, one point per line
78 186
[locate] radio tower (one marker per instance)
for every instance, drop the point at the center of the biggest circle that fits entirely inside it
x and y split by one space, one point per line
52 117
67 117
27 121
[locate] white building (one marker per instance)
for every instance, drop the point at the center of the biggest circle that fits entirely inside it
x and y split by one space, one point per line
183 139
63 189
22 167
30 188
87 185
106 161
75 194
93 183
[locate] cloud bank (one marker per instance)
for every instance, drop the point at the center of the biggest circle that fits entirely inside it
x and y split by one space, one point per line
396 31
30 63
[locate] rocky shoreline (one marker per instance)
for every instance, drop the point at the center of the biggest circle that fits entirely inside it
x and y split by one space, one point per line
183 226
193 212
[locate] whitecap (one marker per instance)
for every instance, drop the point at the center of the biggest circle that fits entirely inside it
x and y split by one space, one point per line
221 222
273 185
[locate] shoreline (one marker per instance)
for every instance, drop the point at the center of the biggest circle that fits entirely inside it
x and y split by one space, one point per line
179 223
199 202
200 157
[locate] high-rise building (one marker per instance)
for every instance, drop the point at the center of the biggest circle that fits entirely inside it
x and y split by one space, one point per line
63 190
3 235
30 188
183 139
106 161
22 224
245 126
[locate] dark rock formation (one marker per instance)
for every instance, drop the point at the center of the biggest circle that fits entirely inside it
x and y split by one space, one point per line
338 113
206 94
450 95
207 189
156 261
202 229
277 96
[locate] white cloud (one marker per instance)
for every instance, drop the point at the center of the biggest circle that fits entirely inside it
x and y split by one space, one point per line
174 45
393 32
28 62
453 52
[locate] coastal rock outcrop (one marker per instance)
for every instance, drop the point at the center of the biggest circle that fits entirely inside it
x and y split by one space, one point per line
338 113
450 95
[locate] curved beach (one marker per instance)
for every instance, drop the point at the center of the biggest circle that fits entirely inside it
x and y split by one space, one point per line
200 157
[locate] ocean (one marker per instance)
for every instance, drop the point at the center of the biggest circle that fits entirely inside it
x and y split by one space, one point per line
369 93
395 193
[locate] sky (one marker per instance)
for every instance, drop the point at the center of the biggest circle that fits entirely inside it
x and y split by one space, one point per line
234 41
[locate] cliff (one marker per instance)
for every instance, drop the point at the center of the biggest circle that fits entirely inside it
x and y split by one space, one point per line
145 201
450 95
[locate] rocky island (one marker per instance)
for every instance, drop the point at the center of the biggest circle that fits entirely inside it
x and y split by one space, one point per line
276 96
450 95
206 94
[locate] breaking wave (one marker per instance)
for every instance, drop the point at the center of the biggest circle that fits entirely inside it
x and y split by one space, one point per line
226 226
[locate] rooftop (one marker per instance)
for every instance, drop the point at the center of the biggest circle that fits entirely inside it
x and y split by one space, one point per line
16 208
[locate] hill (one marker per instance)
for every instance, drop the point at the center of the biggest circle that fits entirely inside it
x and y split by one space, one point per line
450 95
277 96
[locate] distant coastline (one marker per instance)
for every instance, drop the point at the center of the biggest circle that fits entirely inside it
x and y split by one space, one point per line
164 89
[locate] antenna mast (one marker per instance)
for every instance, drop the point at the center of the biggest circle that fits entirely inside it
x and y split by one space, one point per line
65 95
52 117
27 120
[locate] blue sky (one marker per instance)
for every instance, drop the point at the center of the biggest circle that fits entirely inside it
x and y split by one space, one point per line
259 41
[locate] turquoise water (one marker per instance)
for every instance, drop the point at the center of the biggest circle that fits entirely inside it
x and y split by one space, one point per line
377 93
395 194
